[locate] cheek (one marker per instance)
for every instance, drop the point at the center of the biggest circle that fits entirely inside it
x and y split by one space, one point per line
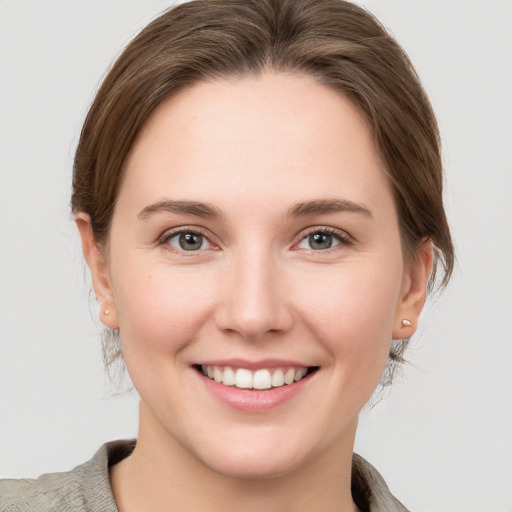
354 313
160 310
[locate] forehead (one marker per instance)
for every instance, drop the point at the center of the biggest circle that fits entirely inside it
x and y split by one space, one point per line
272 133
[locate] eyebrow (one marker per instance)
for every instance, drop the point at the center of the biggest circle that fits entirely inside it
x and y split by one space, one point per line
195 208
327 206
302 209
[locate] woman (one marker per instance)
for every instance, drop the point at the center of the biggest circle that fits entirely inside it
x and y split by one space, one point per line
258 190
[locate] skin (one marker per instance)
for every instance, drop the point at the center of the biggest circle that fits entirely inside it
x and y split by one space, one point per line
252 148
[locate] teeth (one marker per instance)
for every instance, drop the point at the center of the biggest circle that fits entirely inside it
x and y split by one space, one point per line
260 379
243 379
289 376
229 377
217 374
278 378
299 374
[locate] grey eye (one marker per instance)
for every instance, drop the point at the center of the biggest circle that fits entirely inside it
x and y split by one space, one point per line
319 241
188 241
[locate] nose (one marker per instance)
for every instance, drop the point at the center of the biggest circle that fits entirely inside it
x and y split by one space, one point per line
254 298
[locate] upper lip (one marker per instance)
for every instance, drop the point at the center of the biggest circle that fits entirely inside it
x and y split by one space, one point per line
254 365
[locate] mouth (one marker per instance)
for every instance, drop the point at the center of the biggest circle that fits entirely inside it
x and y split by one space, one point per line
258 379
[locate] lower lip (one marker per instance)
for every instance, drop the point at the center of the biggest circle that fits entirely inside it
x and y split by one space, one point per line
254 400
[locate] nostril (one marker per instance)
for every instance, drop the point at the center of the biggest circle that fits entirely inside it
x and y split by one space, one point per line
253 305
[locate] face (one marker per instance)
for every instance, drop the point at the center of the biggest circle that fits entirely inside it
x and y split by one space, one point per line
255 273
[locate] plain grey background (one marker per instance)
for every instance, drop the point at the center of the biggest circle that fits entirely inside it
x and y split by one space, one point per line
442 436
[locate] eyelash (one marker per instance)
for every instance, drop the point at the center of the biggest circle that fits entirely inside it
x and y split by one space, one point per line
167 236
342 237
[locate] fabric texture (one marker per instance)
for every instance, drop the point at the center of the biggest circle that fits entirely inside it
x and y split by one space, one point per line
86 488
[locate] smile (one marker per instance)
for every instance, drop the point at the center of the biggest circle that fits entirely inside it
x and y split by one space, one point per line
263 378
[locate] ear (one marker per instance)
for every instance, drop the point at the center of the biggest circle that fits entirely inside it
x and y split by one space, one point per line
414 292
99 271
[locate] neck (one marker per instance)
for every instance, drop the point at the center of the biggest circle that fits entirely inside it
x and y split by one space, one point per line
160 471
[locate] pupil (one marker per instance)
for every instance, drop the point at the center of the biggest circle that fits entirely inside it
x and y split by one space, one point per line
190 241
320 241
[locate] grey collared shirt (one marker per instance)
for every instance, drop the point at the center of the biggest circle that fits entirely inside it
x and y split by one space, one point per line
86 488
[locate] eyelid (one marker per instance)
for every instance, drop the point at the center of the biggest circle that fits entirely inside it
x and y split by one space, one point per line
172 232
344 238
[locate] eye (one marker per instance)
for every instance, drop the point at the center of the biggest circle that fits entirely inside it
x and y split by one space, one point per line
188 241
322 240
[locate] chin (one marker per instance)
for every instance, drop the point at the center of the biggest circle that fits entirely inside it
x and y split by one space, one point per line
253 466
261 453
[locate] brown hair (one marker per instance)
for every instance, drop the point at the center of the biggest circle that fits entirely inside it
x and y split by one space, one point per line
338 43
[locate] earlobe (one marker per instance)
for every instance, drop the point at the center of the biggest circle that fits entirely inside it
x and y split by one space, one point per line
99 271
414 292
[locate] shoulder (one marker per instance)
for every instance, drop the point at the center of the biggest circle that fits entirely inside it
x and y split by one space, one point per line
370 491
54 491
85 487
